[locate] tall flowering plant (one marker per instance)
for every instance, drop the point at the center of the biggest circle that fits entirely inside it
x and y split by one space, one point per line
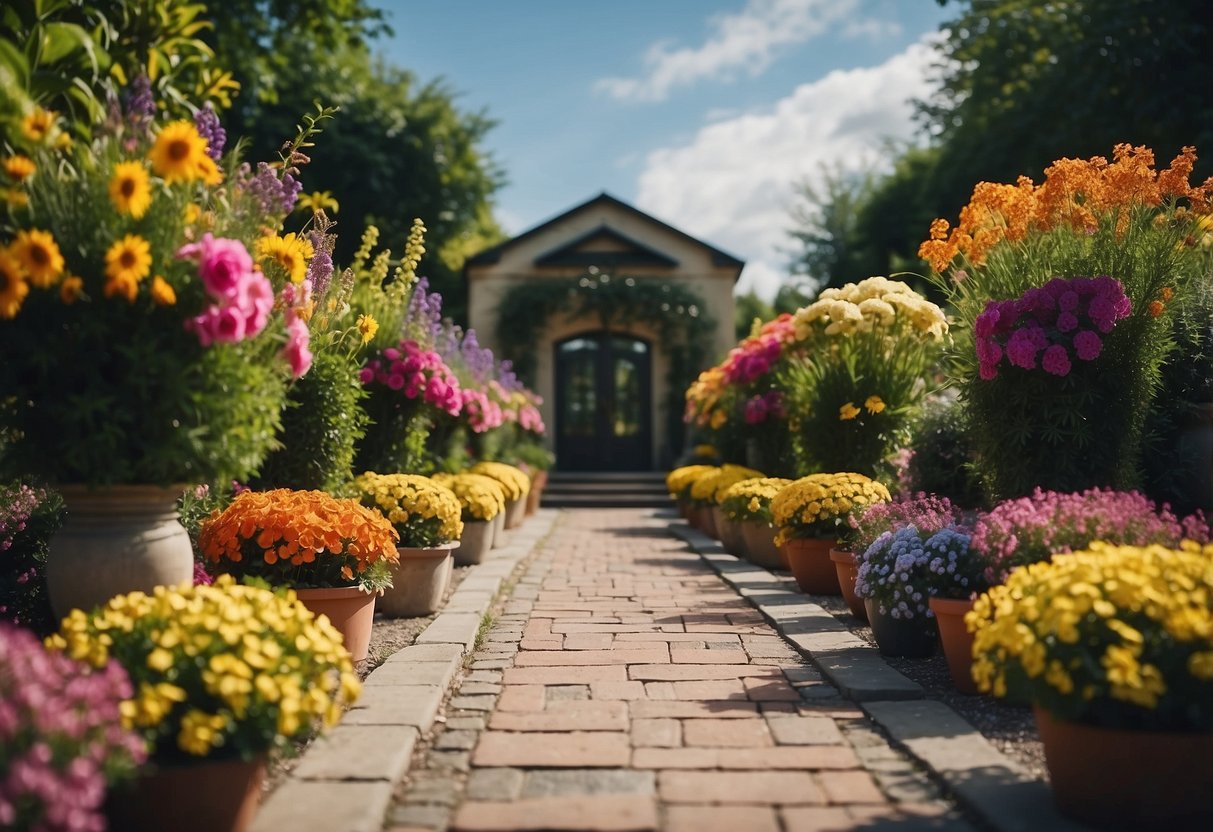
858 371
1064 294
29 517
155 262
62 737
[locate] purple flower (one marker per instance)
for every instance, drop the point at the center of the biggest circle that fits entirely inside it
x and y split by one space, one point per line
273 195
206 121
1067 322
1022 349
1087 345
1056 361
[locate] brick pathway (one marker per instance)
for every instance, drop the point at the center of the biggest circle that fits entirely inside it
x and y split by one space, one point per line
624 686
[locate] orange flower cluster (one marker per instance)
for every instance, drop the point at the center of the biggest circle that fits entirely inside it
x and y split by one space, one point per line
295 527
1075 193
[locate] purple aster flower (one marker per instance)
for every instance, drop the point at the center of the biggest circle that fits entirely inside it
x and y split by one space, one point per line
207 122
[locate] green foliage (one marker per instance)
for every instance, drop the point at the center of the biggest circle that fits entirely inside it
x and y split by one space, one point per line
942 460
750 309
827 228
395 441
29 518
675 311
321 424
531 454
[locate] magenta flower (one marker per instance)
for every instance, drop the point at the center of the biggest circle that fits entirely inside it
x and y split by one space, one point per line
1056 361
296 351
1087 345
224 265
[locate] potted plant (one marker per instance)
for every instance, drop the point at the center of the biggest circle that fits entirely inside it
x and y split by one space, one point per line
516 484
678 483
335 553
426 517
857 372
708 491
540 460
221 676
810 514
747 505
898 575
1063 295
62 740
482 500
926 512
139 249
1111 647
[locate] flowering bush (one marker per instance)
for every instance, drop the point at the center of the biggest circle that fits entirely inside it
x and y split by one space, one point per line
679 481
926 512
217 671
300 539
1032 529
1016 270
904 568
481 498
818 505
159 270
61 737
1049 321
751 499
857 372
28 518
709 488
423 512
1117 636
516 484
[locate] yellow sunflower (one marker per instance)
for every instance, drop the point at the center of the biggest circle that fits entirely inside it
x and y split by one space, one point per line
162 292
13 287
39 256
128 260
130 189
177 152
291 252
71 289
19 168
122 285
367 326
38 124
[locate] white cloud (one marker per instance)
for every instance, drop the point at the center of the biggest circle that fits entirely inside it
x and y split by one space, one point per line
744 42
732 184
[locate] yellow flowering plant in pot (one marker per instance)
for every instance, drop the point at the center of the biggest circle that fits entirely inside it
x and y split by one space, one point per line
149 325
427 517
336 553
482 500
708 489
811 514
517 486
747 504
1113 647
221 676
678 483
857 371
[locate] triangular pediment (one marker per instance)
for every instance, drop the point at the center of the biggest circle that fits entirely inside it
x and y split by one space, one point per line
604 246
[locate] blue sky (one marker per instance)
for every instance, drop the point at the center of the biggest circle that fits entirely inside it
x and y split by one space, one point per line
701 112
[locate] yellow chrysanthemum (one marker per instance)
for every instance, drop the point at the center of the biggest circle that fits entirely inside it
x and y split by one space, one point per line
178 152
38 125
19 168
874 404
128 260
367 326
71 289
162 292
130 189
13 287
291 252
847 412
39 256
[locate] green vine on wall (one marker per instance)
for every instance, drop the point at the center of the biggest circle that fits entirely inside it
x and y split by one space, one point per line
675 311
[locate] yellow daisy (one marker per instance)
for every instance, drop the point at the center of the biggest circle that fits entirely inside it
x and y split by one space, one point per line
177 152
130 189
162 292
291 252
39 255
38 124
128 260
368 326
71 289
874 404
847 412
209 172
19 168
13 287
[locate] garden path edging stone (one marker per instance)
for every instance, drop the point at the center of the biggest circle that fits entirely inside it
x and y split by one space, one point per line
981 778
345 779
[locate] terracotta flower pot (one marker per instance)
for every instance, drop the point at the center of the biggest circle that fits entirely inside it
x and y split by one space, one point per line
515 512
1119 779
206 796
475 543
847 571
116 540
809 560
350 609
538 483
914 638
760 544
419 581
956 640
730 533
707 522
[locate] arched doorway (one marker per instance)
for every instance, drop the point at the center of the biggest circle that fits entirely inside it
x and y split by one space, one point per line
603 403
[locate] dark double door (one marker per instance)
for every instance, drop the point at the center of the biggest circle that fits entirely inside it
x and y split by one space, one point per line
603 403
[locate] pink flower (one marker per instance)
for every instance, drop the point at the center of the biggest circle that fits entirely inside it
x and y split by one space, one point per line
229 325
1087 345
1021 349
1067 322
296 351
224 265
1056 360
366 375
